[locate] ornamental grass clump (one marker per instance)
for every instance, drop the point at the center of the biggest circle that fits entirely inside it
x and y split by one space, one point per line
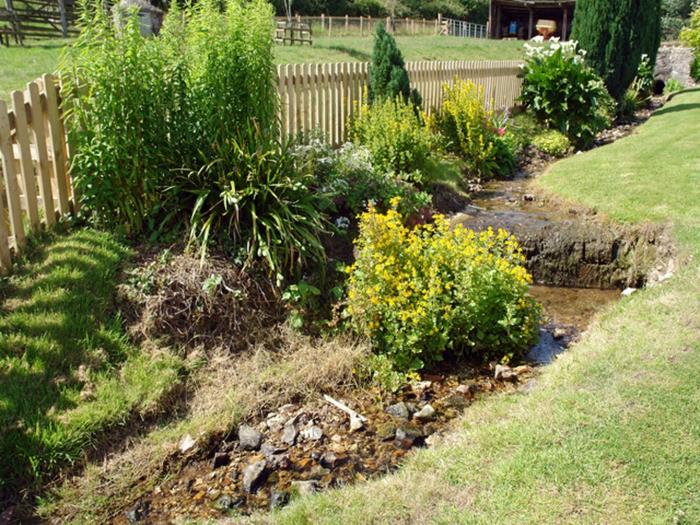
425 293
471 130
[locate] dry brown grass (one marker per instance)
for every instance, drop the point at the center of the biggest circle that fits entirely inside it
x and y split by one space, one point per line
210 303
225 390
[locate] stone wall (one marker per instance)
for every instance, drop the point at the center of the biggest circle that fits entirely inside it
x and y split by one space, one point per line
675 62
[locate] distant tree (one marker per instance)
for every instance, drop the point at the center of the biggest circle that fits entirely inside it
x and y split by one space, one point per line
388 77
616 33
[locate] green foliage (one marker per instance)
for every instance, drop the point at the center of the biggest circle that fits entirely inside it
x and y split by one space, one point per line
672 86
644 80
301 297
469 128
629 104
563 92
388 78
695 68
420 294
616 34
690 35
254 194
552 142
396 136
348 177
143 107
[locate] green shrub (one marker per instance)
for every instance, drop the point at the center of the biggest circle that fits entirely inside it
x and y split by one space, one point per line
552 142
469 128
563 92
629 104
695 68
254 196
143 107
690 35
422 293
396 136
388 78
616 34
672 86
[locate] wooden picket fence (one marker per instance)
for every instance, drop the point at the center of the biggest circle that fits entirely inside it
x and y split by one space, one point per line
36 189
325 97
34 162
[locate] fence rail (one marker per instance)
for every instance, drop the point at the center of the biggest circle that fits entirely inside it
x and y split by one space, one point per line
364 25
36 190
326 96
464 29
34 162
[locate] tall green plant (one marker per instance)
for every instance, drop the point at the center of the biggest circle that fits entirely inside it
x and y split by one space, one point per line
144 107
616 33
388 77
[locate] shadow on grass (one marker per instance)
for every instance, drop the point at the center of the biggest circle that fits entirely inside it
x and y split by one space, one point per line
54 317
675 109
354 53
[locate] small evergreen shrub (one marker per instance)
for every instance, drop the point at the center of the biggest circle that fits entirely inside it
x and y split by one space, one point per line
469 128
563 92
388 78
396 136
552 142
690 36
616 34
424 293
629 104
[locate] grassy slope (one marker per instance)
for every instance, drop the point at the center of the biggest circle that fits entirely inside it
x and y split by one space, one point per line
21 65
55 317
611 433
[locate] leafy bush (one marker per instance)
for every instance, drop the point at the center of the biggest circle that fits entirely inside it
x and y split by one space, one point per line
563 92
629 104
143 107
690 35
672 85
396 137
422 293
253 193
695 68
468 125
552 142
349 179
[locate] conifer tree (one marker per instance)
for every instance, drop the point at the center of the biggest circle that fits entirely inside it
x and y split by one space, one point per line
387 72
616 33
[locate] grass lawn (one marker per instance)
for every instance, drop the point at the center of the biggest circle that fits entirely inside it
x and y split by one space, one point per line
67 372
352 49
611 431
21 65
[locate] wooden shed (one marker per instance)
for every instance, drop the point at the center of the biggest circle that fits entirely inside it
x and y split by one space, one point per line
524 19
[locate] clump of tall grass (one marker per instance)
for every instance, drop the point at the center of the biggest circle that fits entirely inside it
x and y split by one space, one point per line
142 108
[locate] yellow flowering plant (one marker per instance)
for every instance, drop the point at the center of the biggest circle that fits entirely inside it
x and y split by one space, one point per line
421 293
474 131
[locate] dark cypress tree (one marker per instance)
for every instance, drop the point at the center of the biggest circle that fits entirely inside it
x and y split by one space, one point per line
616 33
387 72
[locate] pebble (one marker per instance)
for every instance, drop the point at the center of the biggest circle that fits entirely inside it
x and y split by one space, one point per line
313 433
427 413
386 431
559 333
290 433
249 437
408 435
138 512
505 373
254 475
329 459
628 291
278 499
304 488
528 197
356 423
398 410
187 442
466 389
